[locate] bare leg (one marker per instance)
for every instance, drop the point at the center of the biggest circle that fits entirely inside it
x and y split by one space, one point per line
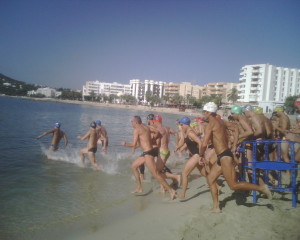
189 166
134 167
212 177
285 156
230 177
82 154
93 160
149 160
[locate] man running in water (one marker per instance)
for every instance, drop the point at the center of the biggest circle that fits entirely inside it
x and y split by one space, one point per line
164 152
91 148
102 136
216 132
58 134
142 135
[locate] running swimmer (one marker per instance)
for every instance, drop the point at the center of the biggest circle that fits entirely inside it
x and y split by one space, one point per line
91 148
57 135
216 133
142 135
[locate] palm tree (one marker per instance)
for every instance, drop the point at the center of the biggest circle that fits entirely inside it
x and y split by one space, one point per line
233 95
149 95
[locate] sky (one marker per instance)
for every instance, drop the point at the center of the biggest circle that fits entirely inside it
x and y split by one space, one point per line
64 43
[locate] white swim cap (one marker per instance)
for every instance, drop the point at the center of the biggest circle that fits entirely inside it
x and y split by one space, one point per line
210 107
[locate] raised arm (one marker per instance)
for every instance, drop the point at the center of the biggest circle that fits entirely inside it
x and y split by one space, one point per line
45 133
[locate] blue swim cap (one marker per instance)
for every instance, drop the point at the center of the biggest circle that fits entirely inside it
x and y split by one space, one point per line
185 121
57 125
150 116
93 125
98 122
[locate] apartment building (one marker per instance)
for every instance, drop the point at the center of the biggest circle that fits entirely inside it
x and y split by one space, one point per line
47 92
268 85
139 88
171 89
219 88
105 88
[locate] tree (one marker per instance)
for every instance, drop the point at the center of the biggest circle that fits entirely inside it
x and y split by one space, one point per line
128 98
177 99
289 104
217 99
166 98
155 100
205 99
92 95
233 95
112 97
149 95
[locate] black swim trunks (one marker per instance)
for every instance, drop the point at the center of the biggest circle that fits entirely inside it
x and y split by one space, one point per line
54 147
153 152
93 150
226 153
165 169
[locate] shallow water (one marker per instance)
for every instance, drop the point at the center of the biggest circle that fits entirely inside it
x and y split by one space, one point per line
51 195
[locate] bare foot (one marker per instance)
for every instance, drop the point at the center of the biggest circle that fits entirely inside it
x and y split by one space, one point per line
181 195
162 189
178 178
172 194
138 190
215 210
265 189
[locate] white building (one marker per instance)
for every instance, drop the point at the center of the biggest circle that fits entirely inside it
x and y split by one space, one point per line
47 92
268 85
139 88
105 88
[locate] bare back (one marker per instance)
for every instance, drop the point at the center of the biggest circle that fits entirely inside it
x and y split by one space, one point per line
216 132
93 138
57 136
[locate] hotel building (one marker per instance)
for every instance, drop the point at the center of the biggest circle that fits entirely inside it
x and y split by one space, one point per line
105 88
139 88
268 85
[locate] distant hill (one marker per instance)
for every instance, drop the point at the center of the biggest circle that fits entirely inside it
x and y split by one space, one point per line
12 87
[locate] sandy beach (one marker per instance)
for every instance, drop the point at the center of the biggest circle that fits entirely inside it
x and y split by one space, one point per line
191 218
187 112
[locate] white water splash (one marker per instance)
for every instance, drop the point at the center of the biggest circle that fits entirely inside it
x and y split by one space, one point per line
69 154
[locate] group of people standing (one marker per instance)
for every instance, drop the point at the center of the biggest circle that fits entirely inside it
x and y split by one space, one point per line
211 143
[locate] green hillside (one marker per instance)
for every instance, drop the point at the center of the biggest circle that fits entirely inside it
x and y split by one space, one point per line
12 87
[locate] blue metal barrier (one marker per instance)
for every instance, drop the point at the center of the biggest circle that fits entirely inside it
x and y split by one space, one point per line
260 161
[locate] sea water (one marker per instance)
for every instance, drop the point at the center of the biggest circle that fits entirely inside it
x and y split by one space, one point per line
51 195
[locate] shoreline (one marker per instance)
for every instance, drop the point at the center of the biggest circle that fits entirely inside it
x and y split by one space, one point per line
187 112
191 219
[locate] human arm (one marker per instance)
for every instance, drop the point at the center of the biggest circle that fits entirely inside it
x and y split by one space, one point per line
45 133
180 143
247 130
134 142
85 136
66 140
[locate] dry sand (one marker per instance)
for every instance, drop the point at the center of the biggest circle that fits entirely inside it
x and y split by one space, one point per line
188 112
191 218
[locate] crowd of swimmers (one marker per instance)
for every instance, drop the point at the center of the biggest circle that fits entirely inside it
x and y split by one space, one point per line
211 144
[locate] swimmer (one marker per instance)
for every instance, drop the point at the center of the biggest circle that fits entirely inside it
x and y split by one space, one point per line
216 133
91 148
58 134
102 136
142 135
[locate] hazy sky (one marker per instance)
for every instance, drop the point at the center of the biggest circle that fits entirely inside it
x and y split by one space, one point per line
64 43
